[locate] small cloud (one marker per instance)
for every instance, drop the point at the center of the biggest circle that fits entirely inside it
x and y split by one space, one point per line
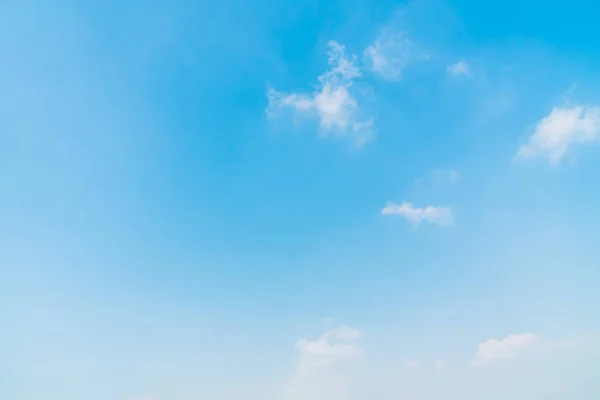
415 215
461 68
504 349
564 127
332 346
441 365
389 55
324 369
332 103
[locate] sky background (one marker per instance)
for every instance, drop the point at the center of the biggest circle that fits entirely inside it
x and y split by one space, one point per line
299 200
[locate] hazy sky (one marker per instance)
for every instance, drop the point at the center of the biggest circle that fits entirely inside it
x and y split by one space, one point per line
299 200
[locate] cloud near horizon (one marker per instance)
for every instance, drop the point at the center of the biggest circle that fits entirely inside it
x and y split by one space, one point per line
504 349
320 372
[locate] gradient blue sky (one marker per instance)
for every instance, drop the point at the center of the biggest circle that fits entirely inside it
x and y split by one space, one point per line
187 211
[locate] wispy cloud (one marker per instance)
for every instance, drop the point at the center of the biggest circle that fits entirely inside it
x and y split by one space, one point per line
390 54
416 215
503 349
563 128
459 69
332 102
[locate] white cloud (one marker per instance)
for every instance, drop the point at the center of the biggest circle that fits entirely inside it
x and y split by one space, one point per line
320 373
461 68
441 365
389 55
333 345
503 349
332 102
415 215
327 371
564 127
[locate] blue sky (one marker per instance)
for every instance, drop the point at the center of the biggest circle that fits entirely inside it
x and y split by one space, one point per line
281 200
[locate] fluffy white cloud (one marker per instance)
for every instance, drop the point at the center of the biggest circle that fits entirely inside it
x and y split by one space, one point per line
415 215
561 129
333 345
332 102
461 68
389 55
503 349
320 373
329 368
